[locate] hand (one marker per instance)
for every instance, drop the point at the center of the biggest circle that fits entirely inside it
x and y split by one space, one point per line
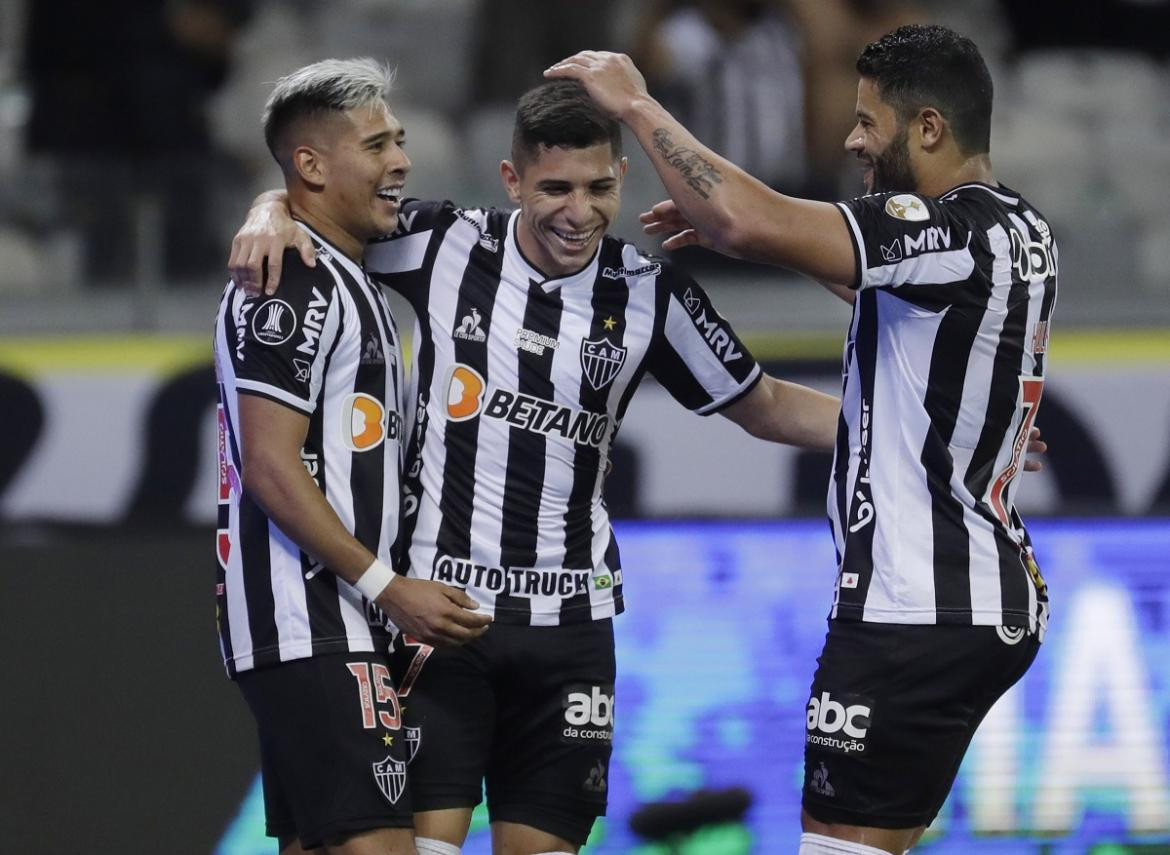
612 79
263 238
432 612
666 218
1035 446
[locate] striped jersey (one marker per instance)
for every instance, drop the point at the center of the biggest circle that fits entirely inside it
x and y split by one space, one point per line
943 371
521 383
326 346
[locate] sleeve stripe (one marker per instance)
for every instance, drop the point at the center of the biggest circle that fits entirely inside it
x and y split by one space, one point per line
859 259
265 390
400 255
746 386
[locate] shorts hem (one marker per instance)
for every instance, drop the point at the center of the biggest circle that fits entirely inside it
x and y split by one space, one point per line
333 833
445 801
843 816
574 828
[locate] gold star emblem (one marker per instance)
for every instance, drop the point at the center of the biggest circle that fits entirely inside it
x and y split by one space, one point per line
387 739
609 323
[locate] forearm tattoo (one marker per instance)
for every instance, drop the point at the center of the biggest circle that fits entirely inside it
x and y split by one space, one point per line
700 173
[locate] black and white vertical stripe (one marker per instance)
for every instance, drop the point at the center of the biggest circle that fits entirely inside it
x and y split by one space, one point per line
339 364
504 481
944 365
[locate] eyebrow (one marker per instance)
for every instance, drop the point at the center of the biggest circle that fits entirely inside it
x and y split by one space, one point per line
382 135
557 183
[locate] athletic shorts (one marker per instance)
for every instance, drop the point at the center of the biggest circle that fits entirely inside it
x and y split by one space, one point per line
892 710
332 747
529 708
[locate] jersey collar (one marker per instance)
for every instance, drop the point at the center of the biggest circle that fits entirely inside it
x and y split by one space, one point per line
335 254
514 256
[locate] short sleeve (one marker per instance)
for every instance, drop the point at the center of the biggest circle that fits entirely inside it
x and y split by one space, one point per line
907 239
397 260
696 354
282 341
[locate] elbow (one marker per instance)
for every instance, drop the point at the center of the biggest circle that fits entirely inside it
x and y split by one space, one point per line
260 478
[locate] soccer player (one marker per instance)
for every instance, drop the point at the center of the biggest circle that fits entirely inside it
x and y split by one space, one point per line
939 605
535 329
310 417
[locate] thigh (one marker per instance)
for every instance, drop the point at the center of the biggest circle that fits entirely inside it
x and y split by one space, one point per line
449 709
890 715
549 767
332 745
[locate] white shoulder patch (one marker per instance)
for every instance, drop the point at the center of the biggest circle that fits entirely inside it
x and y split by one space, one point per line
905 206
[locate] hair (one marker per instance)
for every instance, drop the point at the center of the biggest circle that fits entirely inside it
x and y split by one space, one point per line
919 66
560 114
329 86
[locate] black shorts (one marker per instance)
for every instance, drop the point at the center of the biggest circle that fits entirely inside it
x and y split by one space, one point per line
332 747
530 708
892 710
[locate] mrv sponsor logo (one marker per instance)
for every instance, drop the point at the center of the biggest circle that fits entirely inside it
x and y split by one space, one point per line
720 340
588 714
838 725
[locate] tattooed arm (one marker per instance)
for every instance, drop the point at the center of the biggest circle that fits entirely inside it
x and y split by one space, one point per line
724 207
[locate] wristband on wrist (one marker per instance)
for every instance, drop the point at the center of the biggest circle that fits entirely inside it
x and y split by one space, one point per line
376 579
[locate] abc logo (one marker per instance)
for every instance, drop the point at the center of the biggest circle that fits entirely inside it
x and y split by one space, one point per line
829 716
595 708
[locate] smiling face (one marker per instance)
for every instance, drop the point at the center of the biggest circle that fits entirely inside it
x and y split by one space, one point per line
568 197
365 171
880 142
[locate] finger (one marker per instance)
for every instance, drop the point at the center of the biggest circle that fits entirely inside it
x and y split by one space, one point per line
1034 433
305 245
659 227
471 620
275 265
461 598
680 240
255 265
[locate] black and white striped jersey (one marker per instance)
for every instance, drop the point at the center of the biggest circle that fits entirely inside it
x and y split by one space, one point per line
326 346
943 371
521 383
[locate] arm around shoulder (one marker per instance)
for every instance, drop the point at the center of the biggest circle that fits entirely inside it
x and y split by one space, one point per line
781 411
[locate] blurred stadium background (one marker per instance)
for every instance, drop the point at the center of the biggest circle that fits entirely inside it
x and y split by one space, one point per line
129 149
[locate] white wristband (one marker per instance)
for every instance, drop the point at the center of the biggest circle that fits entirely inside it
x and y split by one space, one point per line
376 579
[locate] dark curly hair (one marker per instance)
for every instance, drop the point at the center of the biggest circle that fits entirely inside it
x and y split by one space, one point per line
919 66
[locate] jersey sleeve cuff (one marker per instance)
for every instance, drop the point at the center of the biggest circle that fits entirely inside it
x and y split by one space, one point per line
859 264
744 387
273 393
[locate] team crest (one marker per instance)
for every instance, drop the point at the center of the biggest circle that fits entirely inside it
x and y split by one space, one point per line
601 361
390 776
413 741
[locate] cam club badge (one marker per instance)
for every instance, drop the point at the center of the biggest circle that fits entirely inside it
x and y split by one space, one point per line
390 775
601 361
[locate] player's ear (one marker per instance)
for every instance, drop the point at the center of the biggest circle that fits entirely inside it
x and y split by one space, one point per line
931 127
510 175
309 165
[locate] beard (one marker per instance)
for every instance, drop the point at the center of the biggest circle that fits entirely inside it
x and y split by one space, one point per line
892 172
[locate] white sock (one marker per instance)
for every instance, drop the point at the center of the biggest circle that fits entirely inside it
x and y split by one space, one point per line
429 846
819 844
